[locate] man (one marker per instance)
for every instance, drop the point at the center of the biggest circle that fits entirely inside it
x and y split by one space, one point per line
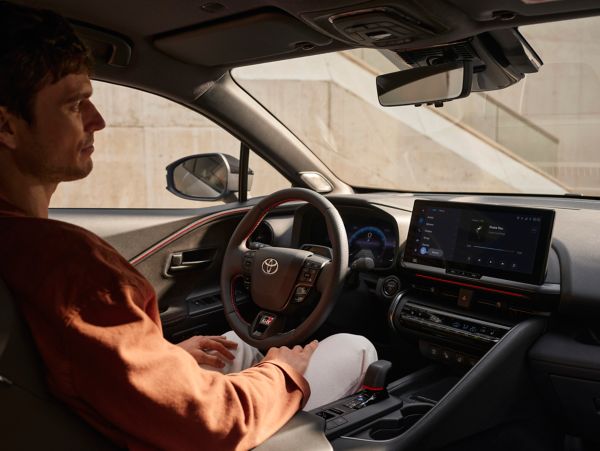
93 317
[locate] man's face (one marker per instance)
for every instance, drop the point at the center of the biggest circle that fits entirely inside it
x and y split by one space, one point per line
58 145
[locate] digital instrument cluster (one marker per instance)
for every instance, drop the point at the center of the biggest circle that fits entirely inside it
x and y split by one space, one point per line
369 236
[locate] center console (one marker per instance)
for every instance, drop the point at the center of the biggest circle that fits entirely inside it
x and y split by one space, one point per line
474 272
434 407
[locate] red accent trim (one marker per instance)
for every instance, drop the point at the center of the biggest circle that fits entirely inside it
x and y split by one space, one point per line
194 225
477 287
366 387
188 228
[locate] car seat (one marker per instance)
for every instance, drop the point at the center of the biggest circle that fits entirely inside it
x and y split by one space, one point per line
30 416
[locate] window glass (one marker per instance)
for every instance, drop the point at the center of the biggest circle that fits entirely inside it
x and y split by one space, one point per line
265 179
145 133
537 136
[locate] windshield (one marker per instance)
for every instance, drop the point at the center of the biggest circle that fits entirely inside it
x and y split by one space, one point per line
538 136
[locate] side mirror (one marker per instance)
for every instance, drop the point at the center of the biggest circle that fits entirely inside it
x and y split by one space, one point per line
430 84
209 176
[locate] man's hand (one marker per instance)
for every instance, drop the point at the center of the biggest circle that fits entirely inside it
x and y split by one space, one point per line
211 350
297 358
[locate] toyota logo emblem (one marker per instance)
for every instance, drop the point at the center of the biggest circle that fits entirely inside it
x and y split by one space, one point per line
270 266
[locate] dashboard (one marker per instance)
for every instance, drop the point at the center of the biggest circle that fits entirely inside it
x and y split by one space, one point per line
473 285
460 277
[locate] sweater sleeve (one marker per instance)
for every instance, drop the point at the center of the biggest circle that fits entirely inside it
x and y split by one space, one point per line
156 394
146 393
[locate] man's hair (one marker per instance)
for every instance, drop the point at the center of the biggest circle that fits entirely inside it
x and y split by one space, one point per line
37 47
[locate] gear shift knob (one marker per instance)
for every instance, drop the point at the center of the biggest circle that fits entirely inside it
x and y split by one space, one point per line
373 389
376 374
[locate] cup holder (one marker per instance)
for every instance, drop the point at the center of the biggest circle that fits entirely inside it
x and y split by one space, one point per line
386 429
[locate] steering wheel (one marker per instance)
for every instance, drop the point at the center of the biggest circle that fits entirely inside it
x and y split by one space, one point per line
281 279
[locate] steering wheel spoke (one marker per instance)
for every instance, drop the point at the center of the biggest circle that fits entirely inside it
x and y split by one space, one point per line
247 264
311 271
324 278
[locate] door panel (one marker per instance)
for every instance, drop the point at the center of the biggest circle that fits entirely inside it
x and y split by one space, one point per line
132 231
189 300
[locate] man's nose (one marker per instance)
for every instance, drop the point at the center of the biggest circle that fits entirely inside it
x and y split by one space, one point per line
95 120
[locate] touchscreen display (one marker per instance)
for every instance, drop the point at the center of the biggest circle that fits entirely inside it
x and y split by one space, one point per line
505 242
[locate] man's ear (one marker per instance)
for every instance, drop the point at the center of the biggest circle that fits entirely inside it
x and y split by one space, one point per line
8 132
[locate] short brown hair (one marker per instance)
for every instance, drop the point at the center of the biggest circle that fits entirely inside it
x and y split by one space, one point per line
37 47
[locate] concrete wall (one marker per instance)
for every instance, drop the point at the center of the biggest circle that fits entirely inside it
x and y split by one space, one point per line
363 145
564 97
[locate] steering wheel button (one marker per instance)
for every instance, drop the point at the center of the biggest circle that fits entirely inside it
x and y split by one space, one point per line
301 290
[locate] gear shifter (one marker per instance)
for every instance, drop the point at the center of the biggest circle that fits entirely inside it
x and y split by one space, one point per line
373 389
376 374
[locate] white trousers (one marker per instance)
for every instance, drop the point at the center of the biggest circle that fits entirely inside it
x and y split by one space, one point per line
336 369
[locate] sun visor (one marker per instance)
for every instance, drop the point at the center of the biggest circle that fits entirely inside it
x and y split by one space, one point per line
256 37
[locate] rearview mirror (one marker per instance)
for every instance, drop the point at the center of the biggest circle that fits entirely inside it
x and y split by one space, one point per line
209 176
430 84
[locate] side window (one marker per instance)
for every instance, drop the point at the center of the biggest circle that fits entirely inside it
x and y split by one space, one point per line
266 179
144 133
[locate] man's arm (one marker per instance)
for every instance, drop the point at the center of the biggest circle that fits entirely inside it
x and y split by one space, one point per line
124 372
99 333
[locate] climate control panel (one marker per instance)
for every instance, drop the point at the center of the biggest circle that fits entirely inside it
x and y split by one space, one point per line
423 317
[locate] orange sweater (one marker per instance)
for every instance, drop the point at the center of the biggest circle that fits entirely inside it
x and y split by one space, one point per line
95 321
